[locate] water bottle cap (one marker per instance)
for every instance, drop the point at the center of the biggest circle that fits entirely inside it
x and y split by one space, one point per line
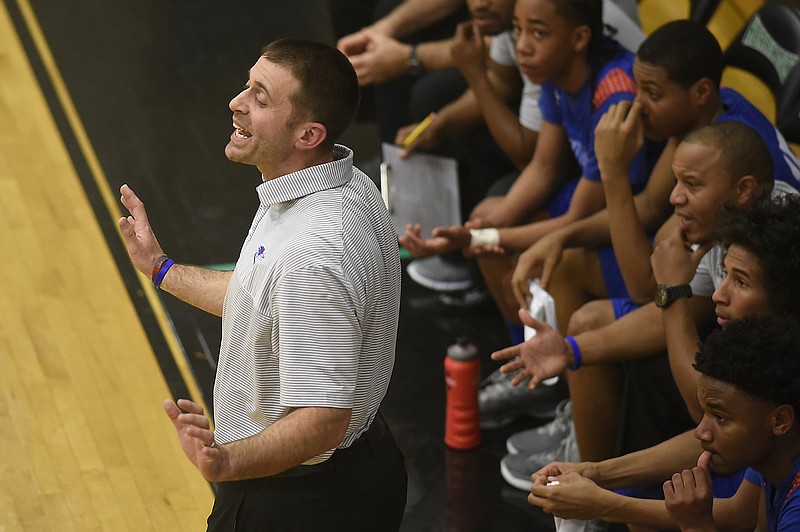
462 350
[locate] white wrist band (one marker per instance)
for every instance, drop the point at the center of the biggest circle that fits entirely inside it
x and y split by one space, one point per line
484 237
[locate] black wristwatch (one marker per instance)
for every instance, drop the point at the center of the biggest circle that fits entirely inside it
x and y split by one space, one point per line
665 295
413 66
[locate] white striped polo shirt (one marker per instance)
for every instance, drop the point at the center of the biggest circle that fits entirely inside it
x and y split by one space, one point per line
310 315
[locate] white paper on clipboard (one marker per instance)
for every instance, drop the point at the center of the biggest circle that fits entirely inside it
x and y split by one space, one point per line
419 189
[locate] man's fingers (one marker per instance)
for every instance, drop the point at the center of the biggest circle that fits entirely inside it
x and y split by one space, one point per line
204 435
475 34
197 420
528 320
448 232
519 378
131 201
125 225
621 111
704 459
688 478
521 293
463 30
505 354
172 409
190 406
547 271
633 112
513 365
358 62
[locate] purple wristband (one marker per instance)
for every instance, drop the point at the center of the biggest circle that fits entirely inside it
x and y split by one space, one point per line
576 353
165 266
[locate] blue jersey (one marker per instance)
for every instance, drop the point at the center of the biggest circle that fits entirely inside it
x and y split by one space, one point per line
783 502
785 166
578 114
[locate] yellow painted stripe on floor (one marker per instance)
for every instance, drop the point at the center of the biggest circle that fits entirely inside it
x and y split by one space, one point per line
85 444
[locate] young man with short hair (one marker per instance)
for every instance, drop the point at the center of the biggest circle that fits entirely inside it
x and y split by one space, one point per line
750 394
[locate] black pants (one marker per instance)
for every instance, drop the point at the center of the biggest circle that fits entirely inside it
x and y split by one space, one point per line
359 488
654 407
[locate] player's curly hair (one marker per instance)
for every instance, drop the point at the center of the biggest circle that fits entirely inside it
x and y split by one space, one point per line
769 229
758 355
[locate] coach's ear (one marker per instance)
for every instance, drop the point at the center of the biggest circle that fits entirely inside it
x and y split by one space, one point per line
310 135
782 419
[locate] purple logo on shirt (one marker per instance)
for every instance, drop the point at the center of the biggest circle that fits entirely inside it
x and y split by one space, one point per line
259 255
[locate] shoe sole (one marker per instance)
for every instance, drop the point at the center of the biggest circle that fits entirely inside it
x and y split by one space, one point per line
439 286
518 483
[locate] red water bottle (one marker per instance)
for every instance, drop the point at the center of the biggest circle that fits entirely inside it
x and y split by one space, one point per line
462 373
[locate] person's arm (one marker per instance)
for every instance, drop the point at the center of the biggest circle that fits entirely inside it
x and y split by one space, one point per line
573 496
649 465
381 58
535 184
200 287
577 497
674 265
461 114
618 137
586 200
652 209
638 334
435 55
376 53
494 86
303 434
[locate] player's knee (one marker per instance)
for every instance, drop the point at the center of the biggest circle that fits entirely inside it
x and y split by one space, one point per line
589 317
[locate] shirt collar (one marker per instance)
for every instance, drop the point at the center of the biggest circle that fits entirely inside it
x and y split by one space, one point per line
309 180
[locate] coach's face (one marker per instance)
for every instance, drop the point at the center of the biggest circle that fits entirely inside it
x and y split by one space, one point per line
262 119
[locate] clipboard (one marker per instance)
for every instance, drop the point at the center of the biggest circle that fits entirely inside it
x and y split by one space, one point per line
421 189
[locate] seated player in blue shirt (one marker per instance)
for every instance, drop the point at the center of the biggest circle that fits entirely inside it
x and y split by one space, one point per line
750 394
